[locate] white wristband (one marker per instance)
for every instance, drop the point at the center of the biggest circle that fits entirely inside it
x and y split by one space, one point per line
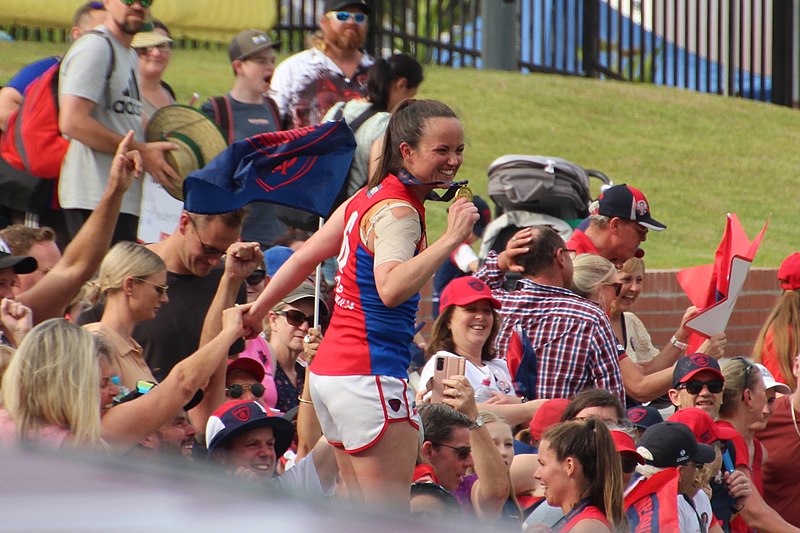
678 344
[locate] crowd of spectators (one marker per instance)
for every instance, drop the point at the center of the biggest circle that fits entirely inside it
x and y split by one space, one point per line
216 346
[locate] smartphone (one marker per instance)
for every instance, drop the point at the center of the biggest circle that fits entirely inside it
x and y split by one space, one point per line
444 367
727 462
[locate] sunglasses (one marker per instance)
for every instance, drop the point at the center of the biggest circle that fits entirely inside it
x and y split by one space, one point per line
144 3
462 452
629 464
694 386
163 48
346 16
296 318
207 250
748 370
236 391
160 289
256 277
96 5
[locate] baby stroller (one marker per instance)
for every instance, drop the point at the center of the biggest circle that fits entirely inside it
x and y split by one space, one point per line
534 190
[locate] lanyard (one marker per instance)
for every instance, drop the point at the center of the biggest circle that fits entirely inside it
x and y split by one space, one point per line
407 178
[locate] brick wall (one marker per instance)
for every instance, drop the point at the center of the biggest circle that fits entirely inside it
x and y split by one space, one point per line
663 302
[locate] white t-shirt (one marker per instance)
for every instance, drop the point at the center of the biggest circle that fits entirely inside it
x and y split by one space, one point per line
84 172
303 478
688 518
496 370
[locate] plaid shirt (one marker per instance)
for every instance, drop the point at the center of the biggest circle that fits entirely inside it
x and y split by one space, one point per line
574 344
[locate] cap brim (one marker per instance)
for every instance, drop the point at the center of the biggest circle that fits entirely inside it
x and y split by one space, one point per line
275 45
779 387
282 430
652 224
693 373
705 454
20 264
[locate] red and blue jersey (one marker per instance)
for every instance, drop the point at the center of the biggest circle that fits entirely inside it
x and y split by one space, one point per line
365 337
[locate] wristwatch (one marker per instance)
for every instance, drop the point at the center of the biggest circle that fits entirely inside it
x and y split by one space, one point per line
478 423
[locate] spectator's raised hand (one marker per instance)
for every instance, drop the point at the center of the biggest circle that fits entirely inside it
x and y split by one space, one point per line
459 395
739 487
517 245
126 166
714 346
16 319
241 259
232 321
311 344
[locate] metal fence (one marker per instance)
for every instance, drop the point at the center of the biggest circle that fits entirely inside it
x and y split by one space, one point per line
731 47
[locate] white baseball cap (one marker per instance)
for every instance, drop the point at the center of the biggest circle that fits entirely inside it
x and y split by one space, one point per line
771 383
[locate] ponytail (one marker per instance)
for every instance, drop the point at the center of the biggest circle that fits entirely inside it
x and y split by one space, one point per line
590 443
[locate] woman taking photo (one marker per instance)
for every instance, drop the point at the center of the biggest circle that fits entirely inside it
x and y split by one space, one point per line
467 326
359 380
581 472
132 281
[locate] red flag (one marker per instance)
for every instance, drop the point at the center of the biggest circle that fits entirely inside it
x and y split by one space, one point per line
652 505
705 285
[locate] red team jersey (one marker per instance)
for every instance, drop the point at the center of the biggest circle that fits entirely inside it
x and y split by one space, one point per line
365 337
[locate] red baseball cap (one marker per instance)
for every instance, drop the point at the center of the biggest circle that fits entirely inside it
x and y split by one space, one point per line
624 443
464 291
549 414
702 425
251 366
789 272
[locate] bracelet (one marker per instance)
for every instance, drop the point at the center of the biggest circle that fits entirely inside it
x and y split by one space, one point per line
737 509
303 400
678 344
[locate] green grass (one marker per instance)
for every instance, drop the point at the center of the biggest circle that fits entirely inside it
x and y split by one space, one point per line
696 156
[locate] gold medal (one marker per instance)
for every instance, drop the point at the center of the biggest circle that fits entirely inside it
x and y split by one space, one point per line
464 192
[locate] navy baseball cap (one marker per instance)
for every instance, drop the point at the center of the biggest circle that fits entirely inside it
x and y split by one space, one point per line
670 444
340 5
237 417
689 365
644 416
629 203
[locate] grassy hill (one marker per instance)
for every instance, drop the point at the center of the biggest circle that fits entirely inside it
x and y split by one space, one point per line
696 156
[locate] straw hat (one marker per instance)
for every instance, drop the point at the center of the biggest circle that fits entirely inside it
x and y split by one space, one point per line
148 39
199 140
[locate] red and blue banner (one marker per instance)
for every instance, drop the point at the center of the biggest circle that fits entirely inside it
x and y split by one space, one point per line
303 168
652 505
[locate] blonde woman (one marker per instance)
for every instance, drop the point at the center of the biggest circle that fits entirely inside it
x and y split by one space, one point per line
595 278
133 282
50 389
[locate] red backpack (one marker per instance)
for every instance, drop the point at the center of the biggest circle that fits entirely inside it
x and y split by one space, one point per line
32 141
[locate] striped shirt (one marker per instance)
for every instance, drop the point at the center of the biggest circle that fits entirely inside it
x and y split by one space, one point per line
572 338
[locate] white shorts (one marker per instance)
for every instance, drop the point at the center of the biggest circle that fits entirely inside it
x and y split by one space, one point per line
354 411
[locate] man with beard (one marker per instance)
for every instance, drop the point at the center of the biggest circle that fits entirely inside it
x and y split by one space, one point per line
99 103
175 438
333 70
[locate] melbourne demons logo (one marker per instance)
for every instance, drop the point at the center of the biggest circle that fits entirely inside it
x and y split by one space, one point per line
641 208
291 168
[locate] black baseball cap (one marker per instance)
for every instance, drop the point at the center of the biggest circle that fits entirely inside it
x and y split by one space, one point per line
670 444
340 5
689 365
629 203
22 264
